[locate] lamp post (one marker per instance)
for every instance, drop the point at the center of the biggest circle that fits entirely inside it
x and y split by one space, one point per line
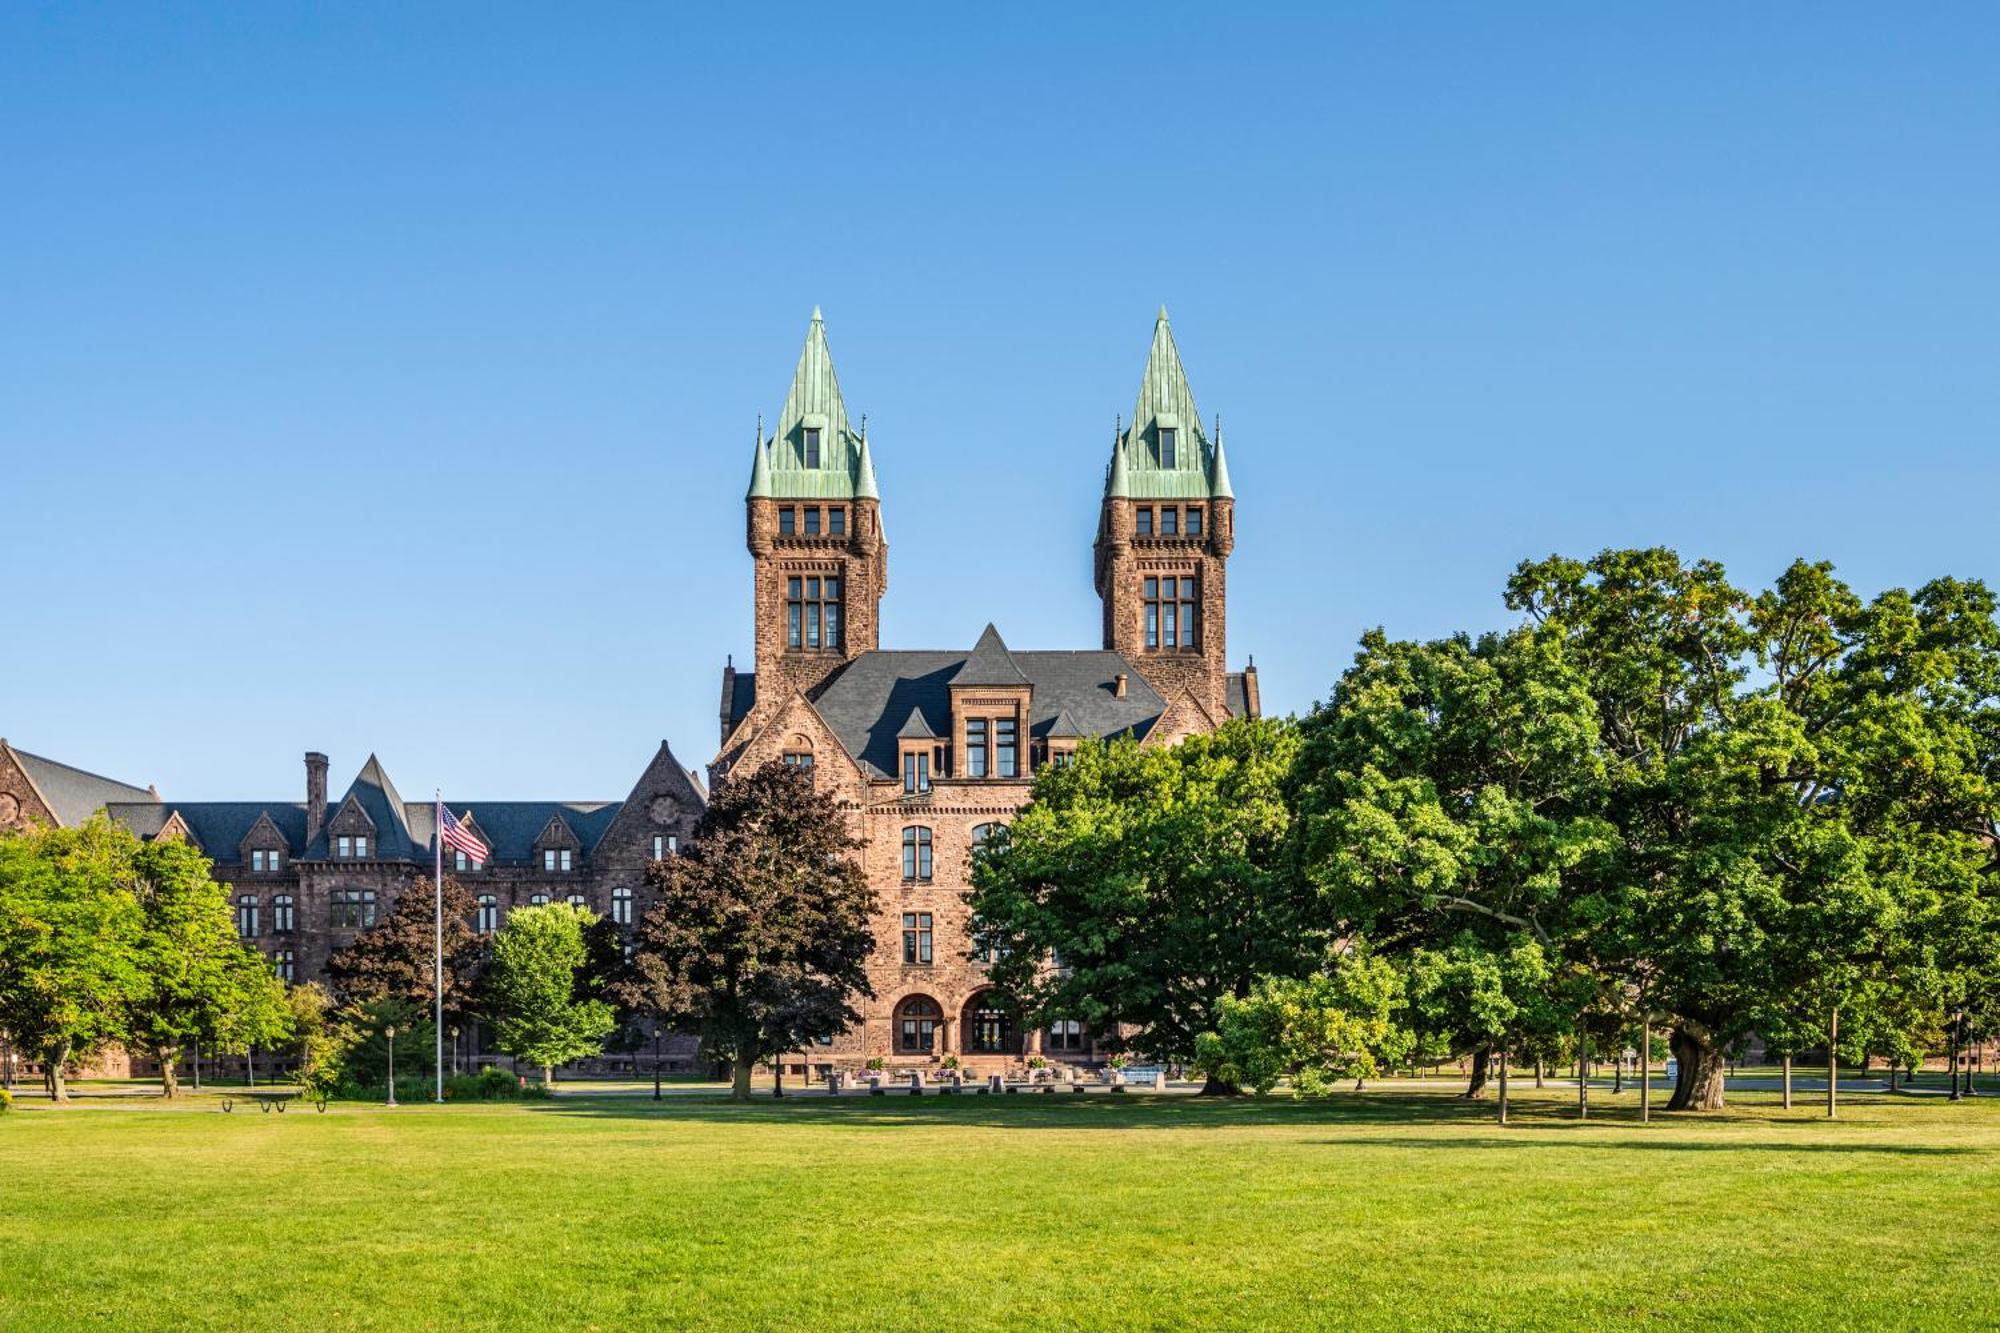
656 1060
390 1032
454 1050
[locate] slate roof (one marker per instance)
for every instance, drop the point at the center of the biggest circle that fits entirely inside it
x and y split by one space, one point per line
1137 468
219 827
990 663
73 794
869 700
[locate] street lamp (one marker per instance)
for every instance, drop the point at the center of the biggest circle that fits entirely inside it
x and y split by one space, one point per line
656 1060
390 1032
454 1050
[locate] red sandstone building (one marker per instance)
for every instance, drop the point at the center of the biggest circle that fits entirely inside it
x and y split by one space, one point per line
929 751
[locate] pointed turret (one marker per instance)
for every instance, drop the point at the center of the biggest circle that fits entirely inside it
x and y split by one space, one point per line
1117 484
815 454
1218 483
760 467
864 480
1167 455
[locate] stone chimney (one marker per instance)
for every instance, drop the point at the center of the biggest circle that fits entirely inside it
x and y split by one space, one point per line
1118 686
315 793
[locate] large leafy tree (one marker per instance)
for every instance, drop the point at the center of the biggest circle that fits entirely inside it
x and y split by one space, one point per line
1313 1031
197 978
761 935
397 957
531 988
1448 800
1159 879
70 929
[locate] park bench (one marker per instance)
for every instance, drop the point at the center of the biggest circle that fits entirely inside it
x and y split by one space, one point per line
266 1101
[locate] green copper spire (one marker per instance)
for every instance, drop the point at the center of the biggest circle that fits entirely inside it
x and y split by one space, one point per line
814 410
1218 486
760 466
1116 483
864 482
1165 455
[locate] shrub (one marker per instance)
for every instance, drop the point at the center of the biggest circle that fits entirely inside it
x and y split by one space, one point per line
6 1101
491 1084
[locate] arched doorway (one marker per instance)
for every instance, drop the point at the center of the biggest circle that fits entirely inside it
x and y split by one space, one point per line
916 1025
988 1028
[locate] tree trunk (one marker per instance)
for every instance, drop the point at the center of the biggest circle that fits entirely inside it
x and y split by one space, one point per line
739 1075
170 1078
1482 1060
1788 1083
548 1076
1219 1087
1698 1072
1538 1071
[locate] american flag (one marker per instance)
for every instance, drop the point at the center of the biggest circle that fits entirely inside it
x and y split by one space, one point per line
460 838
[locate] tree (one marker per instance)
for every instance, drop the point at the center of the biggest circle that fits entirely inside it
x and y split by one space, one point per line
530 988
193 967
397 957
69 936
1160 878
1448 804
761 936
1314 1031
257 1013
322 1039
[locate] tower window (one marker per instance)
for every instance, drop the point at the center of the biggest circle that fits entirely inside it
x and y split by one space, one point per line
1170 522
1145 520
1169 438
1194 521
917 856
836 521
812 521
1169 613
1004 748
917 938
975 748
788 521
812 612
812 446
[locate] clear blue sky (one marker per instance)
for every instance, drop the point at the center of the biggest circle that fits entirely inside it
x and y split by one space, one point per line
385 378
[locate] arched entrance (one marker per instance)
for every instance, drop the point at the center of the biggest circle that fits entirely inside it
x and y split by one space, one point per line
988 1028
917 1024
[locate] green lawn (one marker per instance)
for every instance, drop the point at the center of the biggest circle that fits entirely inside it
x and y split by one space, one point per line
1380 1209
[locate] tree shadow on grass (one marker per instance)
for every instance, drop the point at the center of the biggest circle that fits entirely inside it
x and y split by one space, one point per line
1531 1139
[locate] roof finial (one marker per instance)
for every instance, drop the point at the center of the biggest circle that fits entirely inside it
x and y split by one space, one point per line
1163 312
817 319
760 430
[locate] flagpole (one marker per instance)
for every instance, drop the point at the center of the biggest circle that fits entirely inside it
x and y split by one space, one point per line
437 844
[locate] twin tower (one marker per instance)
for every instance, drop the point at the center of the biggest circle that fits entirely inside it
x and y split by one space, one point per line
1164 534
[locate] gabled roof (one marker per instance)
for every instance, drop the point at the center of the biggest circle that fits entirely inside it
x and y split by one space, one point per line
72 794
219 827
916 729
1165 401
1064 728
779 468
869 700
990 663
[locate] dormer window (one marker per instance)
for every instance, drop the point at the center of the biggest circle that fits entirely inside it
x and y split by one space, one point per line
1168 439
351 847
916 770
265 862
788 521
812 521
1170 522
836 521
555 860
1145 521
812 446
462 863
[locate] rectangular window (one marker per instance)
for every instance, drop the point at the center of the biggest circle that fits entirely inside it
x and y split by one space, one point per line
788 521
812 521
344 848
916 853
555 859
488 918
836 521
461 862
1170 612
621 907
664 845
281 914
812 612
351 909
1194 521
917 939
916 771
1170 522
1065 1034
1004 748
246 917
812 446
1169 440
975 748
1145 520
285 963
799 758
361 846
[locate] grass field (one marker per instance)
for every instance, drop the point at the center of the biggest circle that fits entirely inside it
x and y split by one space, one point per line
1372 1210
